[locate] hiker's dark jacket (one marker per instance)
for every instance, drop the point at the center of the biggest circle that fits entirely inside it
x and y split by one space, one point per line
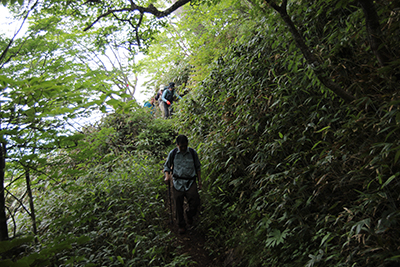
169 95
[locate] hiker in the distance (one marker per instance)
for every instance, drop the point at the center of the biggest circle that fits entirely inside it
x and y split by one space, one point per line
150 105
158 98
184 165
168 98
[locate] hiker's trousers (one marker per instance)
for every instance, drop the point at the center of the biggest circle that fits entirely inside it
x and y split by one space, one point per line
161 105
193 199
166 111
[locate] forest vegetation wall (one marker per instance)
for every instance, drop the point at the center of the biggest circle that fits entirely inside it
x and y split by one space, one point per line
294 176
103 202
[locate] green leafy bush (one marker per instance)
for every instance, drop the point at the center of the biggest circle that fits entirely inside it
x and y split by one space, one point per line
111 212
138 132
120 211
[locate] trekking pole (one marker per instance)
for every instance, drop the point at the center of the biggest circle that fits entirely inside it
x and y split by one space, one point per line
170 202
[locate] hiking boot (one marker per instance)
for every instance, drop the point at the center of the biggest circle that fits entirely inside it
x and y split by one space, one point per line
181 230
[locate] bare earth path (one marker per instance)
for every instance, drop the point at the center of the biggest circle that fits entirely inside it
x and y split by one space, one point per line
192 243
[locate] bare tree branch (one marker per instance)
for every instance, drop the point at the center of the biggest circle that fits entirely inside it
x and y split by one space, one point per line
19 200
137 28
4 53
151 9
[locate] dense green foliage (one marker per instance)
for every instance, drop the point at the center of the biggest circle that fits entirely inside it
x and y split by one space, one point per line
294 175
107 206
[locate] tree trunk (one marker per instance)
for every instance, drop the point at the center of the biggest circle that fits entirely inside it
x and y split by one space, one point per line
3 218
374 33
32 207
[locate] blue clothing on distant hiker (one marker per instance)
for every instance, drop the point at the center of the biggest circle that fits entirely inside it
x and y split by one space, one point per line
184 166
147 104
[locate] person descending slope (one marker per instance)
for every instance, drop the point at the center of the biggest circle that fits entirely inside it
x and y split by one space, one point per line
184 164
168 98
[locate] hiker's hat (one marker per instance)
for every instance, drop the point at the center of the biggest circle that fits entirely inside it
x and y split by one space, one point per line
171 85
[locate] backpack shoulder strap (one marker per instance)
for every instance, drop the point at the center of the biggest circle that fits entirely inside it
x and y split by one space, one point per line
191 150
173 154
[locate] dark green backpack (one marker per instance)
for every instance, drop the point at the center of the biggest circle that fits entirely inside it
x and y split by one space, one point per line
191 150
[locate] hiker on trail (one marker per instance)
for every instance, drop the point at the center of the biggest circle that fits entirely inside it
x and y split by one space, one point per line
158 98
150 105
183 162
167 99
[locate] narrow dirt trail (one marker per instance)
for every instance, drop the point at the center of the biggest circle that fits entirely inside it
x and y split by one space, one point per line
192 243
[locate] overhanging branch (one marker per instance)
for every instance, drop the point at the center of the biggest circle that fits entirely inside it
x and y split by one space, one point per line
151 9
137 28
4 53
